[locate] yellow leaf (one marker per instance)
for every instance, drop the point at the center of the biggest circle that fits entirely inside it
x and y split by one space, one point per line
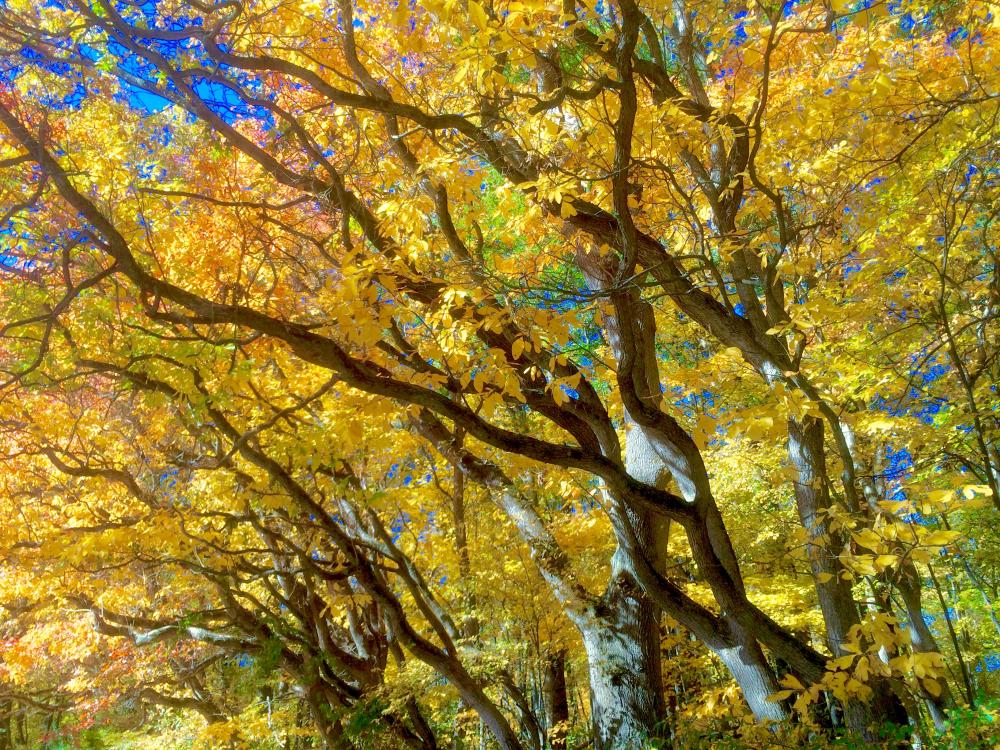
940 538
355 430
886 560
863 564
478 15
867 538
491 402
706 428
758 428
882 84
883 425
970 491
791 681
843 662
479 381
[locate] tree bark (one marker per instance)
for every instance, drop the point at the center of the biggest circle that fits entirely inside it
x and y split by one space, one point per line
7 720
420 726
836 599
923 641
330 731
623 653
625 705
907 583
619 629
656 447
556 700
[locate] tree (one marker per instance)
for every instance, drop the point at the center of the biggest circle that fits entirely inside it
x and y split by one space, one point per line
284 246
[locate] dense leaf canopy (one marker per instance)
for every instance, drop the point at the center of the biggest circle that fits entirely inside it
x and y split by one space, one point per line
421 373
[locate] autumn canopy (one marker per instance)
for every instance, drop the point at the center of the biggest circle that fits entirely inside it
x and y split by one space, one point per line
508 374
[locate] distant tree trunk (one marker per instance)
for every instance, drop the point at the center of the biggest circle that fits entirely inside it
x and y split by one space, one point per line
922 640
970 693
906 581
836 599
420 726
292 739
556 699
980 586
6 725
458 516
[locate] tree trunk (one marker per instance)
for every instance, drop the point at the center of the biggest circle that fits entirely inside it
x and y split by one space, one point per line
746 662
923 641
7 719
907 583
619 629
836 599
623 656
330 732
458 517
624 705
738 650
652 458
556 700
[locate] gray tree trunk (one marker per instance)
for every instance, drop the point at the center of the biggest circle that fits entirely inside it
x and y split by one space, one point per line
622 661
652 459
923 641
738 649
836 599
907 583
